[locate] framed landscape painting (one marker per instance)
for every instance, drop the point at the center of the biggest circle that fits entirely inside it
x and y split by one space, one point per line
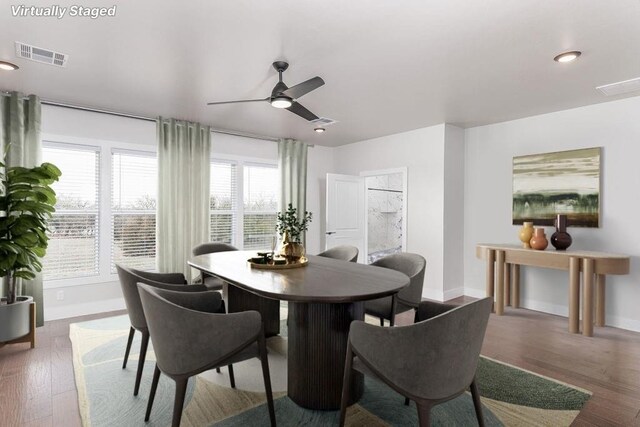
564 182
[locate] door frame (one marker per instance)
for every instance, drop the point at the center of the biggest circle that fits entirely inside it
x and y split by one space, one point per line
405 196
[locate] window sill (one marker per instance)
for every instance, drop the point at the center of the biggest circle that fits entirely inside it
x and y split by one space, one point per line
79 281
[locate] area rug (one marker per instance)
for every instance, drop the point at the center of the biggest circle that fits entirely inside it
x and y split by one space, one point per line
510 396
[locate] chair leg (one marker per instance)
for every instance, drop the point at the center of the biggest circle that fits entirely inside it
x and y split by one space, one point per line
382 321
392 316
218 370
477 404
262 348
346 385
178 403
232 379
406 401
424 415
129 341
143 354
152 394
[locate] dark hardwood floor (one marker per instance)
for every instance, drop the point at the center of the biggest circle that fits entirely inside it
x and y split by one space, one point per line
37 387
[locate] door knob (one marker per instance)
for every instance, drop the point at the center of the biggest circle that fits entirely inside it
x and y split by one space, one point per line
330 232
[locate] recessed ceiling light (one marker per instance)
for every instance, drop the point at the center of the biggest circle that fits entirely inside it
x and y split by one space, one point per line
568 56
8 66
319 129
281 101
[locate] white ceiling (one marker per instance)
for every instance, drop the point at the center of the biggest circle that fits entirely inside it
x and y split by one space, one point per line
388 66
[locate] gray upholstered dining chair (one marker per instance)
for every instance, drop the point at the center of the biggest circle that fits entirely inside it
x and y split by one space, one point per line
429 362
129 278
179 321
212 283
343 252
413 265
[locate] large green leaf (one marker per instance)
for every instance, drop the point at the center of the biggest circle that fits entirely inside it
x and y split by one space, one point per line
18 195
33 207
52 170
23 179
39 251
47 192
24 274
8 261
9 247
27 239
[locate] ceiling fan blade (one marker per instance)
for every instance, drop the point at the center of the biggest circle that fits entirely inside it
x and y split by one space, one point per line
237 102
303 88
298 109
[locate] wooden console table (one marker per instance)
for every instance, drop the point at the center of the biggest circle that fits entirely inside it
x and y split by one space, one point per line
503 273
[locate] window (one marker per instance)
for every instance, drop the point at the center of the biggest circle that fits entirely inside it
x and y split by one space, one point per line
260 206
74 231
105 212
106 208
134 182
224 202
252 223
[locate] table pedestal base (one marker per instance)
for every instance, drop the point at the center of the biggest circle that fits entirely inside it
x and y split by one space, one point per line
241 300
318 336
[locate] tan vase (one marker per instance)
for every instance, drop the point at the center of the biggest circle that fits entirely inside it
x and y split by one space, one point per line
539 240
526 233
292 251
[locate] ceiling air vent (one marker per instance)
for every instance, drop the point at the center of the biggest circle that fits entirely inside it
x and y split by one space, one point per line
39 54
324 121
619 88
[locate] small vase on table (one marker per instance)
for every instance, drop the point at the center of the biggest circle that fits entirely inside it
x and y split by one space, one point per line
561 240
539 240
526 232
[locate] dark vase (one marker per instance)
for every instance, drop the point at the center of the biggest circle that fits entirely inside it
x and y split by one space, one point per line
561 240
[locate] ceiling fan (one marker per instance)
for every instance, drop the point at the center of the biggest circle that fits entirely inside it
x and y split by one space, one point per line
286 97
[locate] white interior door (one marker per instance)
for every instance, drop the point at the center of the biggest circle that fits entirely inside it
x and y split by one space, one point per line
345 212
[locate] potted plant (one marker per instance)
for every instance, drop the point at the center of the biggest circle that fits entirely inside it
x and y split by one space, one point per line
291 228
26 204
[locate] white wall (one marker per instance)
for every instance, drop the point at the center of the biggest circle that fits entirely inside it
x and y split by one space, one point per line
320 161
453 239
85 124
422 151
78 125
489 151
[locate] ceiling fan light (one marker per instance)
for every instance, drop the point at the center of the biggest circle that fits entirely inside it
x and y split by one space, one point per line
319 129
8 66
568 56
281 102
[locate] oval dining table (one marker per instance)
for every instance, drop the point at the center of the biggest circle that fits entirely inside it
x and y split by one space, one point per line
324 297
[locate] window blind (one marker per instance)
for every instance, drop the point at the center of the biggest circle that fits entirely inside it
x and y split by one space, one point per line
74 228
134 182
260 206
223 202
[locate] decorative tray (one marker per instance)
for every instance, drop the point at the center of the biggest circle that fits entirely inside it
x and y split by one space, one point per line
301 263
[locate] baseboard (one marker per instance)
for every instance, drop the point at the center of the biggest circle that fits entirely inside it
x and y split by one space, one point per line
432 295
453 293
474 293
562 310
436 295
623 323
82 309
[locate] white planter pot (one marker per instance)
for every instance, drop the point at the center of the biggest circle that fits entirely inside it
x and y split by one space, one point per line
14 318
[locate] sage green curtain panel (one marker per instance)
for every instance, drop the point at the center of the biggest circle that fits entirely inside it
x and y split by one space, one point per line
20 129
183 195
292 167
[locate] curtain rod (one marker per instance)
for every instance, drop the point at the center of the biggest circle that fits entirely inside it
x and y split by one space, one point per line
149 119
